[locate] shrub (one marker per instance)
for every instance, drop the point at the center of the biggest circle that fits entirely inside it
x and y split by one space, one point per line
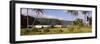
78 22
60 30
35 30
26 31
52 26
76 29
71 29
46 30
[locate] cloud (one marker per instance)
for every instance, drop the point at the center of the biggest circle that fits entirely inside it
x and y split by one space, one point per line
48 16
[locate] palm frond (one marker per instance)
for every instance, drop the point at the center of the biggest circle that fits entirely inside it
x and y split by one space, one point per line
39 11
85 12
73 12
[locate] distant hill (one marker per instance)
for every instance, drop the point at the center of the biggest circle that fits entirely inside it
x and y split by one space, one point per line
42 21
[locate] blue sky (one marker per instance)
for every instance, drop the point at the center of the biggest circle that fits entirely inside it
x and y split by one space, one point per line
60 14
54 13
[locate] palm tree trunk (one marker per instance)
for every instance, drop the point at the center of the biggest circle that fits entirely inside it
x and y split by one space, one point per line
27 19
34 21
38 11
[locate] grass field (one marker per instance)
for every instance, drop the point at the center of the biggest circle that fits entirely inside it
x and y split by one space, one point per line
56 30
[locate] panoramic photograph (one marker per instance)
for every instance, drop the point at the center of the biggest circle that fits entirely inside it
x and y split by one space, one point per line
36 21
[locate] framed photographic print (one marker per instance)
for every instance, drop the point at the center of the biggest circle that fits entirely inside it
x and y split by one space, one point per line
42 21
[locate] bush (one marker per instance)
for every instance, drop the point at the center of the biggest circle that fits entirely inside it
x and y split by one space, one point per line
52 26
35 30
71 29
60 30
46 30
74 28
78 22
77 29
26 31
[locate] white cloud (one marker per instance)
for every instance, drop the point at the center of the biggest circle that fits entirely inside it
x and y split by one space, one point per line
48 16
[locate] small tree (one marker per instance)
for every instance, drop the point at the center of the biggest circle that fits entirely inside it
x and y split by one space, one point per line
78 22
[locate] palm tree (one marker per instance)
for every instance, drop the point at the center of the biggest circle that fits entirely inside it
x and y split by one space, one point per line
76 13
38 13
85 16
27 19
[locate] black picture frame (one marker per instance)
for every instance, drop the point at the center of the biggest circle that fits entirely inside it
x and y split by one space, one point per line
12 21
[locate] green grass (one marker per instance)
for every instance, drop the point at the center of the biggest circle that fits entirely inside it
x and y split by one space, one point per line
72 29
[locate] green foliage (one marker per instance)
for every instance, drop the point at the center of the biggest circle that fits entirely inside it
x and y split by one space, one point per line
46 30
52 26
49 21
26 31
35 30
60 30
78 22
71 29
74 28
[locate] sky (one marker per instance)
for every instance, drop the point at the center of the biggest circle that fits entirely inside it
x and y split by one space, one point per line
54 14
